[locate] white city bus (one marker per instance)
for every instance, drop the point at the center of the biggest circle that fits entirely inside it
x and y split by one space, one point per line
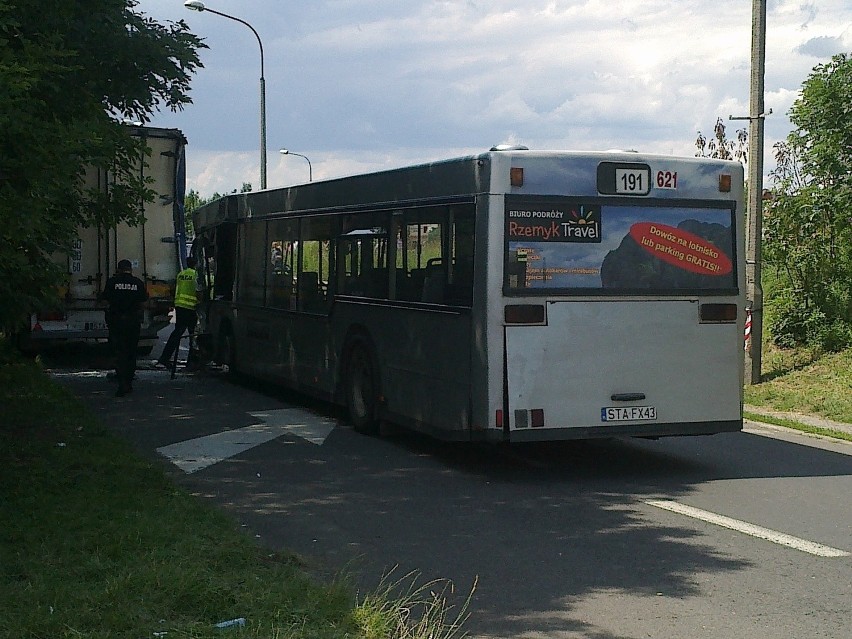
513 295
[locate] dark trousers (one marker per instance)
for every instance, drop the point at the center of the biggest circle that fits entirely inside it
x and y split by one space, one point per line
185 320
124 338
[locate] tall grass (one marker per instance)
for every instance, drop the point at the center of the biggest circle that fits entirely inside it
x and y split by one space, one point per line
408 610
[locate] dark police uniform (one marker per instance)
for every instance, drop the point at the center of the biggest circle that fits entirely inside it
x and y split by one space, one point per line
125 294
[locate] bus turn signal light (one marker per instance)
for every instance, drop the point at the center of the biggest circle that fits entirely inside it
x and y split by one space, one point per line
524 314
516 176
718 312
725 183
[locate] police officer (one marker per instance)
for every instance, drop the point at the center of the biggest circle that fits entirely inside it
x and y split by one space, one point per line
186 300
125 295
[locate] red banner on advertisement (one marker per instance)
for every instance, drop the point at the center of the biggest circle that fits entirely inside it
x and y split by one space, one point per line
681 248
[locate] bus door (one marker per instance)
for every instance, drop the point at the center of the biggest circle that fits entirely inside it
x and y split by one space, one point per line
628 320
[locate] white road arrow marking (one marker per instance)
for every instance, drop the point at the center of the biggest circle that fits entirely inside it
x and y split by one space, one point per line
301 423
194 454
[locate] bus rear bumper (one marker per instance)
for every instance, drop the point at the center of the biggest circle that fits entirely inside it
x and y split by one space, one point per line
626 430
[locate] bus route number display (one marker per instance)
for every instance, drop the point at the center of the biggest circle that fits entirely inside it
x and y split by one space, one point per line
667 180
624 178
632 181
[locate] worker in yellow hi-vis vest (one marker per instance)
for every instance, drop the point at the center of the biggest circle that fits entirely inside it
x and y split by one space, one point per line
186 300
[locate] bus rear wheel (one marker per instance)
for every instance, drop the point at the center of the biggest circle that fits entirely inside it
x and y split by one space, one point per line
362 391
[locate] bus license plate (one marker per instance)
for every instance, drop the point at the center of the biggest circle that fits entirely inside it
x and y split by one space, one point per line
628 413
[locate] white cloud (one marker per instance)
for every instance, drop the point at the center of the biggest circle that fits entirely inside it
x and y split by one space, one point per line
369 84
211 172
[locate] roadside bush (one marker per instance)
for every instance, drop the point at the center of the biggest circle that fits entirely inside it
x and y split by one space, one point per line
788 320
833 337
792 323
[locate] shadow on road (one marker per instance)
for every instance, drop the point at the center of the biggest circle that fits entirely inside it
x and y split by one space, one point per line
540 526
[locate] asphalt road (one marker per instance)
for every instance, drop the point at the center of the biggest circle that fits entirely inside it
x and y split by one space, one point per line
562 540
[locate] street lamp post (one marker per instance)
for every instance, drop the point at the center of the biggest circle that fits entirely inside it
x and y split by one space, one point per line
195 5
310 168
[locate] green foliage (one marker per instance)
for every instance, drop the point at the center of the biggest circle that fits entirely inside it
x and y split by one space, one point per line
719 146
807 229
70 74
793 323
191 201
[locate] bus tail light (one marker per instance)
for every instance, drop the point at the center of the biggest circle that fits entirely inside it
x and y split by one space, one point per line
725 183
718 313
498 419
524 314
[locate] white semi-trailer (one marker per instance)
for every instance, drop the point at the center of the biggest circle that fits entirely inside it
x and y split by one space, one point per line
156 247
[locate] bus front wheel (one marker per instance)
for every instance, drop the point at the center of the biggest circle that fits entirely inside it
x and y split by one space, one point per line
362 391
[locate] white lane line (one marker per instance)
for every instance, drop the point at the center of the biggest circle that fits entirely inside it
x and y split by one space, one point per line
749 529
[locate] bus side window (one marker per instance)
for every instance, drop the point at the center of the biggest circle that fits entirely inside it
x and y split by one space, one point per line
460 289
434 281
283 235
406 287
416 277
311 298
460 292
252 279
377 282
316 263
363 255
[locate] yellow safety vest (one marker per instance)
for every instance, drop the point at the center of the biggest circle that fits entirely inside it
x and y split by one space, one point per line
185 295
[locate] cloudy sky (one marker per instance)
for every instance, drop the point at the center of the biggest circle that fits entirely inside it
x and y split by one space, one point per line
361 85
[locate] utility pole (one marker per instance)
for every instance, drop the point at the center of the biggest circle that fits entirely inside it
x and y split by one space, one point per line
754 290
197 5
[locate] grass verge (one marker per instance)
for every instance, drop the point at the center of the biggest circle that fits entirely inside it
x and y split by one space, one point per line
99 543
801 381
805 428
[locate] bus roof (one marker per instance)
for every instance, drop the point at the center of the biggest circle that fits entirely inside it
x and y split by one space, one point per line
448 180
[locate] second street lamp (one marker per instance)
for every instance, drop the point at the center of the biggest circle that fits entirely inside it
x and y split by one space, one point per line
195 5
310 169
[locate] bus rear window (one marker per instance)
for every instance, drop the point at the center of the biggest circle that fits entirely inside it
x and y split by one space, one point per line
589 245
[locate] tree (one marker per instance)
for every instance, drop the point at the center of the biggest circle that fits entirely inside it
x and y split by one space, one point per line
70 73
719 146
191 201
808 229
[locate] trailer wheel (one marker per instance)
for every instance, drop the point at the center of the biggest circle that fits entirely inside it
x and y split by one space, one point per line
362 390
